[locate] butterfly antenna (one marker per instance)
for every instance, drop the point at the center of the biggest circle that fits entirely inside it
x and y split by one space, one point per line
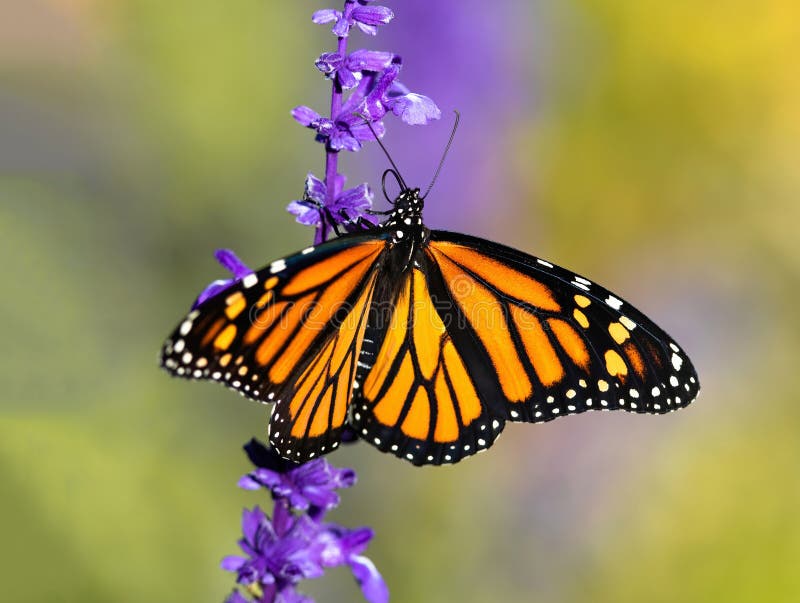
444 155
385 152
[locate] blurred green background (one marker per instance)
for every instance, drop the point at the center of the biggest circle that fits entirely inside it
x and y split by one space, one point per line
650 145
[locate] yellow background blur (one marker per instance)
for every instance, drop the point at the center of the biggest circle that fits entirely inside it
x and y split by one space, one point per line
652 146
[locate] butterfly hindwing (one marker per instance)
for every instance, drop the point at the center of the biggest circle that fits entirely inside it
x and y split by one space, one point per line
277 333
309 414
416 397
557 343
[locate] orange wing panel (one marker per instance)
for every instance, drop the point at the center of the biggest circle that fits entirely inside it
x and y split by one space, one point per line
317 274
500 276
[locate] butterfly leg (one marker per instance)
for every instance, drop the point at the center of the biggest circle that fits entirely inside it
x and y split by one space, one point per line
359 224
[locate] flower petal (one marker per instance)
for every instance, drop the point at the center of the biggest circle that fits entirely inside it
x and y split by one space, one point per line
267 477
305 115
342 28
232 563
329 62
415 109
347 79
315 188
344 477
356 98
342 140
231 262
354 542
354 200
248 483
370 30
213 290
372 15
369 579
251 522
361 131
326 15
307 214
373 103
319 497
369 60
282 518
397 89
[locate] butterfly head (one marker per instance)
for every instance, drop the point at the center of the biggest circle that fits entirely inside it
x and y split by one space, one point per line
410 200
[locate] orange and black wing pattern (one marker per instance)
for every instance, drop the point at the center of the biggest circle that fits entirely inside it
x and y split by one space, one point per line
476 334
554 342
416 393
290 334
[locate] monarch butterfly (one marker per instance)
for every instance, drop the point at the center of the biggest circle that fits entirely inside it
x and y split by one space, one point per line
424 342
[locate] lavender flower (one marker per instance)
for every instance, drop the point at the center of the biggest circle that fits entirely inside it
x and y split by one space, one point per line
348 70
343 133
281 551
347 206
370 78
356 12
278 551
311 485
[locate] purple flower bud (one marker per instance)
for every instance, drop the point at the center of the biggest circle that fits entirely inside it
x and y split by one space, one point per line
356 12
305 116
232 563
326 15
329 62
231 262
369 60
372 15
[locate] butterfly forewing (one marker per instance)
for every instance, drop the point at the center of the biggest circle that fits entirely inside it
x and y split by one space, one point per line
310 414
290 334
557 343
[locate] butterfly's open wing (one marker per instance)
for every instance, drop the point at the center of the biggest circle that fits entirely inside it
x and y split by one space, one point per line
416 395
290 334
478 333
555 343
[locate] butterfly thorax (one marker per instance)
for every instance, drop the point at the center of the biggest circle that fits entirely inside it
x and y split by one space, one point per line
405 221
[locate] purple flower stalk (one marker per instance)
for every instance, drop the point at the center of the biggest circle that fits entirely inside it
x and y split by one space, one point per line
370 79
296 543
364 89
